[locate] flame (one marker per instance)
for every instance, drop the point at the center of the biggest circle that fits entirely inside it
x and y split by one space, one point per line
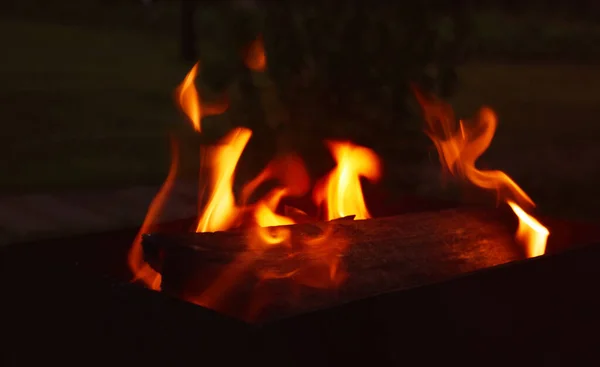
140 269
189 100
188 97
460 146
221 212
530 231
289 171
341 190
306 259
268 233
256 59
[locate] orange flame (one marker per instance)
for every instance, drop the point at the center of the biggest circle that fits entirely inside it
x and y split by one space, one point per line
221 212
268 233
309 260
290 172
189 100
256 59
313 261
265 210
458 150
341 190
140 269
530 231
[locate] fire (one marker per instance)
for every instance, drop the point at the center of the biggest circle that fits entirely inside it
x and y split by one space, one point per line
320 255
221 212
341 190
460 146
140 269
296 254
265 210
189 100
530 231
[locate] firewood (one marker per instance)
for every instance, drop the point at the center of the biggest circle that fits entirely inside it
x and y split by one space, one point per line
380 255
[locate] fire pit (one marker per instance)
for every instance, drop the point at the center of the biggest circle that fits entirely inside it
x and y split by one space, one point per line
71 302
248 252
258 279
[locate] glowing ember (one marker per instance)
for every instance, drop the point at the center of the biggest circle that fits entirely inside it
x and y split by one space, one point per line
321 265
289 170
265 216
460 147
188 98
341 191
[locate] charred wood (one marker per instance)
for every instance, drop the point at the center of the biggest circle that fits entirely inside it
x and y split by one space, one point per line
380 255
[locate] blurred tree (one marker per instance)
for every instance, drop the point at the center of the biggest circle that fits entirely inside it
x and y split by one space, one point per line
188 31
357 59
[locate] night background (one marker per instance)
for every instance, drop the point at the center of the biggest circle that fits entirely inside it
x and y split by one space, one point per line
88 108
87 97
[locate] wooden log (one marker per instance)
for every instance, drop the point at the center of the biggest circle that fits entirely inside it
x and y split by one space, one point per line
378 255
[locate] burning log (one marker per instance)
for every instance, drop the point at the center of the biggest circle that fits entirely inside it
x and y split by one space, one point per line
538 310
380 255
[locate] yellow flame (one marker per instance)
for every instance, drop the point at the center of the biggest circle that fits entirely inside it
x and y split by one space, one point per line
341 190
221 212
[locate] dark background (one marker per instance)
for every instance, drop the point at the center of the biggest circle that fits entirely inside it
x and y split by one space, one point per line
86 87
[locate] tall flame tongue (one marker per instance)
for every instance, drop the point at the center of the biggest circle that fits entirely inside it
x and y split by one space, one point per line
460 146
220 213
263 213
140 269
341 191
